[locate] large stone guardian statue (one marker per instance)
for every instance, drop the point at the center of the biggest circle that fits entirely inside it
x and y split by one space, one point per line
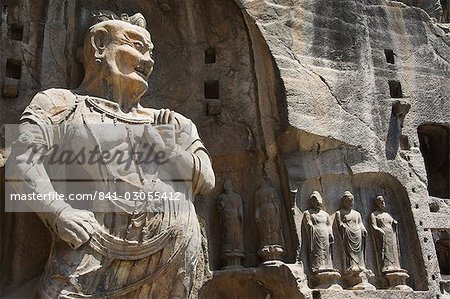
231 217
386 245
140 236
267 215
320 236
353 234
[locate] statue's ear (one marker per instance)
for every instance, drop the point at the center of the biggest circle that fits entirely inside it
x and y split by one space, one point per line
98 42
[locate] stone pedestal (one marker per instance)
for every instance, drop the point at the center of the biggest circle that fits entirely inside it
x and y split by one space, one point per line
271 253
326 279
397 279
273 279
233 259
359 280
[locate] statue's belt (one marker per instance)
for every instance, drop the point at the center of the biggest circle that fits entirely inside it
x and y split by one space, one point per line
115 248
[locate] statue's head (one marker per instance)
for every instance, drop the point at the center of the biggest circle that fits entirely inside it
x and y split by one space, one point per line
315 200
379 203
119 50
347 200
228 185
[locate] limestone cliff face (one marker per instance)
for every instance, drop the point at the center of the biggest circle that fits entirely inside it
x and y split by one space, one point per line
331 58
360 79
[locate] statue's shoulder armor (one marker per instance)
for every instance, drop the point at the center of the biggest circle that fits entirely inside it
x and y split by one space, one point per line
52 105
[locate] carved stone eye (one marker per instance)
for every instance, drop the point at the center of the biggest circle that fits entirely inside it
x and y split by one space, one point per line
139 46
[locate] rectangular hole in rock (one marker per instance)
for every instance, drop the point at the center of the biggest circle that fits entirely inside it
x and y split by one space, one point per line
13 68
441 240
404 143
395 89
210 55
16 31
389 56
434 142
211 89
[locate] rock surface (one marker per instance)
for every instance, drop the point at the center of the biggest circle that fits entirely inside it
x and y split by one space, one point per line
302 92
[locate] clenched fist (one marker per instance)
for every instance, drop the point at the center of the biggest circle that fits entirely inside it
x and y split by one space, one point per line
75 226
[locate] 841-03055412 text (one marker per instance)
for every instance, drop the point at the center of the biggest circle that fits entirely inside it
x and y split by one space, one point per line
133 196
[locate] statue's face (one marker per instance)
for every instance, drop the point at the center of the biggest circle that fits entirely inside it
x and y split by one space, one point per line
316 202
128 57
348 201
380 203
228 185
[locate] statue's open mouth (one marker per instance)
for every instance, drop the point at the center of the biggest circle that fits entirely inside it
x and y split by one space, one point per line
142 72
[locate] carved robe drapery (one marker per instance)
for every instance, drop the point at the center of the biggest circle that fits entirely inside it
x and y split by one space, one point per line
386 244
319 234
352 232
267 216
231 217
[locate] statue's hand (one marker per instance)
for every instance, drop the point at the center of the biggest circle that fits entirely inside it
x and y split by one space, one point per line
75 226
164 117
331 239
394 224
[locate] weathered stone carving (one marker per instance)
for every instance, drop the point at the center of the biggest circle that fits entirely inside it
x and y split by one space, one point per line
231 215
353 235
320 235
267 215
385 235
304 86
132 251
386 244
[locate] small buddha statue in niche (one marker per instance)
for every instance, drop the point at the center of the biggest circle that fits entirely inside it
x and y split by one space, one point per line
230 207
319 232
385 236
267 215
353 234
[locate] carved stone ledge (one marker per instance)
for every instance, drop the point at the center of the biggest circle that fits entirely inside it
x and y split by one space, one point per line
347 294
